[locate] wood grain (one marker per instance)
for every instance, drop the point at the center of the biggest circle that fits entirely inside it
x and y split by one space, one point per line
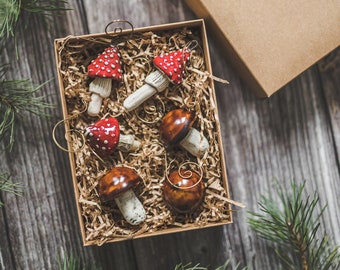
292 136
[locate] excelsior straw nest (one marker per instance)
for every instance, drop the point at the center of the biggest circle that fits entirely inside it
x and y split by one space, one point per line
104 223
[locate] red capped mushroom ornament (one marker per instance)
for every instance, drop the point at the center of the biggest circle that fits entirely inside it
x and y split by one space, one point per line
104 69
104 138
170 67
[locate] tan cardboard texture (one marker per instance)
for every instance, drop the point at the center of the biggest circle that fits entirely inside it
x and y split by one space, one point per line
270 43
101 223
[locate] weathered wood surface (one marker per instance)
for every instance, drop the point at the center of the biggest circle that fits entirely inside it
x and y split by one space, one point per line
294 135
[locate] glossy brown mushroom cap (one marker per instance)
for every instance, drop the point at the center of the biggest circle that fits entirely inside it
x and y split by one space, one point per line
175 125
183 196
116 182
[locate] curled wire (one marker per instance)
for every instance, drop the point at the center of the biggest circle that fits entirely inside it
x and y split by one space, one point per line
184 173
191 45
152 111
68 132
117 31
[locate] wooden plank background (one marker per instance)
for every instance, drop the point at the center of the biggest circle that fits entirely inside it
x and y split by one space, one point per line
292 136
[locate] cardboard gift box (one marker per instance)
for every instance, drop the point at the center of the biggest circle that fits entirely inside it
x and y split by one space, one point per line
102 222
270 43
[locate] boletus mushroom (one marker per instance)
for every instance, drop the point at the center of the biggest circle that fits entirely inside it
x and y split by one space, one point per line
105 69
183 190
117 185
169 68
104 137
176 128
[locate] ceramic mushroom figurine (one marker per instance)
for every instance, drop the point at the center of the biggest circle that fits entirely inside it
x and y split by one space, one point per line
104 137
117 185
176 128
105 69
183 191
170 68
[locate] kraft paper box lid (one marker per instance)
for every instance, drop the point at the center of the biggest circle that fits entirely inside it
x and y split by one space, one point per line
272 42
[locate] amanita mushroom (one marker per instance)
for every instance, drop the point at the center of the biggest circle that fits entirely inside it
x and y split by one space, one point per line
104 137
183 191
176 128
170 68
117 185
105 68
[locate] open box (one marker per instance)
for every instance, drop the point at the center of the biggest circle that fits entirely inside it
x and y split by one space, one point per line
270 43
100 222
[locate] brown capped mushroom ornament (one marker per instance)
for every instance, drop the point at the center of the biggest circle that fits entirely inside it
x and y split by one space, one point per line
117 185
176 129
170 67
183 191
104 69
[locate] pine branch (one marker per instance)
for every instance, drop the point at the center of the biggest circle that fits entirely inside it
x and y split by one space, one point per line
294 227
9 15
189 266
16 97
8 186
11 10
72 263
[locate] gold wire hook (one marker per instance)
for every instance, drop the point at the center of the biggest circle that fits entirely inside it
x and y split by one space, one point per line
191 45
68 131
117 30
152 110
186 174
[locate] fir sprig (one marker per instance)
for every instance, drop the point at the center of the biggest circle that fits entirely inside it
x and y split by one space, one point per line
189 266
293 227
16 97
7 185
70 262
10 11
9 15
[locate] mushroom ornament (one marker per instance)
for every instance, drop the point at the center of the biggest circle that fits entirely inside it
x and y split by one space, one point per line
183 190
169 68
104 69
104 137
176 128
117 185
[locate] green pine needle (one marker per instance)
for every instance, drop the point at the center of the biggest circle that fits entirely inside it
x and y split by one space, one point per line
72 263
189 266
16 97
69 263
11 10
8 186
9 15
294 227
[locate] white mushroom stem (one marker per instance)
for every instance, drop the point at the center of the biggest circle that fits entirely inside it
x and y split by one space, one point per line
131 208
195 143
157 81
128 143
100 88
